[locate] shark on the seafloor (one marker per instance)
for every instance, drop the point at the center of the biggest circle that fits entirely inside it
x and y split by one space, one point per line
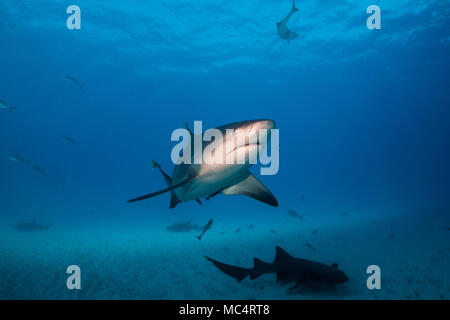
194 181
288 269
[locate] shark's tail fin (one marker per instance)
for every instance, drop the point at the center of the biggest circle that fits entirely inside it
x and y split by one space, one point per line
200 238
294 9
236 272
260 267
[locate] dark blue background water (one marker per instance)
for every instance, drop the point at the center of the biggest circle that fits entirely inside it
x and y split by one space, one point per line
363 114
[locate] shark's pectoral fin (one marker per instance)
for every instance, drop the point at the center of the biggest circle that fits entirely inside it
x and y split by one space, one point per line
252 187
157 193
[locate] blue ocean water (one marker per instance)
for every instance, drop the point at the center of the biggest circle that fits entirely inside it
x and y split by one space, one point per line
364 124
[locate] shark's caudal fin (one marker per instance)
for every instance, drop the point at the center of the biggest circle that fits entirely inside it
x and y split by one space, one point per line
157 193
294 9
252 187
235 272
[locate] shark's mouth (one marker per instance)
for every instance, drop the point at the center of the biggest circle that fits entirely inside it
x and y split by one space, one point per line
247 144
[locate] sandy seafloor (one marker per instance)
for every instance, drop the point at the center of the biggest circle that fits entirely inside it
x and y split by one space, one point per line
147 262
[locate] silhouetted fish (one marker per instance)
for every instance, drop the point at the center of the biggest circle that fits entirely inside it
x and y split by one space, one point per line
4 106
237 230
205 228
18 159
69 140
30 226
294 214
283 31
75 81
183 227
37 169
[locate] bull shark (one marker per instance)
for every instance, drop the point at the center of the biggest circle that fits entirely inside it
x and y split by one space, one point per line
3 105
288 269
30 226
195 181
282 30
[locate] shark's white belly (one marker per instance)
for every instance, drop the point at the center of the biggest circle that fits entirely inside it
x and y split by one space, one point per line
210 181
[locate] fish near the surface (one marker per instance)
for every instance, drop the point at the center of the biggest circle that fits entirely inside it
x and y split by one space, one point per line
288 269
194 181
75 81
30 226
4 106
283 31
69 140
18 159
183 227
38 169
205 228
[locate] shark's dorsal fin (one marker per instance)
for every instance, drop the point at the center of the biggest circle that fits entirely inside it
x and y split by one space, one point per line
281 255
252 187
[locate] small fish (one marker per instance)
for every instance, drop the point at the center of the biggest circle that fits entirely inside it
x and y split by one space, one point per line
443 250
251 226
206 228
75 81
302 197
344 213
237 230
4 106
294 214
273 231
18 159
37 169
30 226
222 233
391 236
183 227
309 245
69 140
315 231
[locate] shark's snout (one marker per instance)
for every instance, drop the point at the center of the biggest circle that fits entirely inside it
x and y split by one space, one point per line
265 124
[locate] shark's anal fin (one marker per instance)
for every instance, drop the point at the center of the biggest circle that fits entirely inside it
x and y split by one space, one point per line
157 193
235 272
252 187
